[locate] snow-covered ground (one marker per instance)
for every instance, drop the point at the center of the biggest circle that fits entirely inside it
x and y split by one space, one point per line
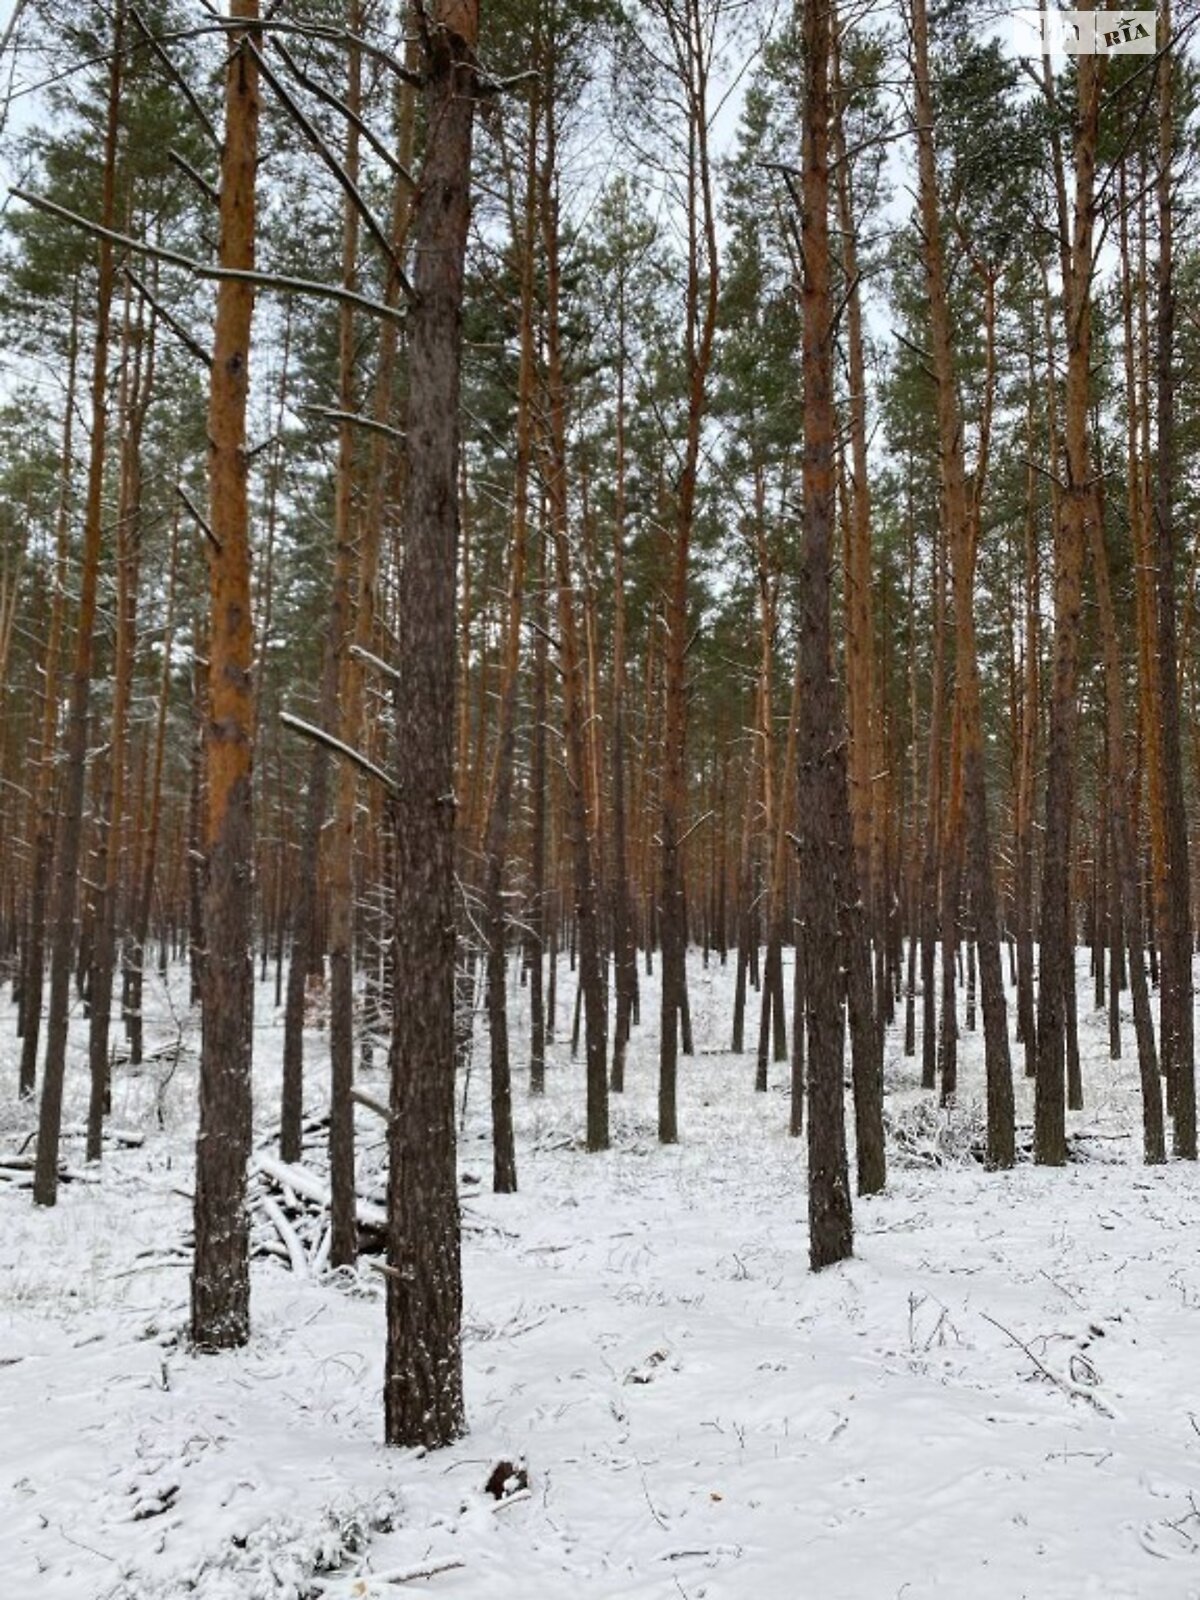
996 1398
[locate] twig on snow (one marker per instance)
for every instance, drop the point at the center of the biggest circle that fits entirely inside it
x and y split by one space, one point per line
1073 1391
654 1511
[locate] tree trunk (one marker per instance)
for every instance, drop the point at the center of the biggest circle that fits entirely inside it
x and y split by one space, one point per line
930 862
624 947
1124 850
343 1247
221 1272
423 1387
42 810
537 886
960 508
591 976
692 48
495 840
145 889
1178 1022
1027 760
1071 535
866 762
196 794
137 387
822 793
45 1183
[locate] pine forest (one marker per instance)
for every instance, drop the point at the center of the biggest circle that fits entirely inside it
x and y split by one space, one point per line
599 799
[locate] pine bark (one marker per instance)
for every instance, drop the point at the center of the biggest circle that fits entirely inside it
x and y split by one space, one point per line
1124 849
42 811
961 510
591 976
1027 761
499 811
691 50
822 791
70 845
866 763
381 468
624 945
1178 1022
137 388
221 1271
1056 936
537 847
144 893
423 1384
306 952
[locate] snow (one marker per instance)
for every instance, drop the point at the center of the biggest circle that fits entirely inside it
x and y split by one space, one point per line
996 1398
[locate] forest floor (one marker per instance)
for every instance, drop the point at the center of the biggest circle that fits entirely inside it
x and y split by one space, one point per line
997 1398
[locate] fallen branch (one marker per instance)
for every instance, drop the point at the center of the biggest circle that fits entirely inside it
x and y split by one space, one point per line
1073 1391
362 1098
511 1500
320 1256
425 1569
308 1185
287 1233
361 1587
131 1138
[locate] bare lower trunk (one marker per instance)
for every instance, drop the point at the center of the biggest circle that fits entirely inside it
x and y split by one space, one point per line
423 1388
960 508
1178 1018
1077 506
495 839
137 386
70 849
1125 855
822 795
43 812
145 890
537 888
221 1272
591 976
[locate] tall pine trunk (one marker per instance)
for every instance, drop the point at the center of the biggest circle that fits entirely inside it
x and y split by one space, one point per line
343 1247
591 975
221 1271
960 507
823 811
1177 986
692 47
1077 505
495 836
70 845
137 388
423 1384
42 810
